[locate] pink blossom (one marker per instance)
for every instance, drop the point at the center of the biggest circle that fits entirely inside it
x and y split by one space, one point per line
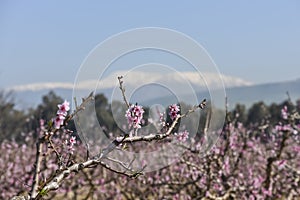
226 165
278 127
173 111
267 192
162 119
284 112
281 164
134 116
240 125
296 148
72 140
61 114
42 126
257 181
58 121
295 132
182 136
176 197
70 144
71 149
42 123
63 108
281 127
250 144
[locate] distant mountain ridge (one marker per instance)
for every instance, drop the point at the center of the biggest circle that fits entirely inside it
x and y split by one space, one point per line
137 78
269 93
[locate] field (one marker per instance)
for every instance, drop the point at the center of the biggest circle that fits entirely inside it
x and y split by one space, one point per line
256 156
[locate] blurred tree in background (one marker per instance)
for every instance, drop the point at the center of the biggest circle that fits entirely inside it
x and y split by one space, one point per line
14 123
257 113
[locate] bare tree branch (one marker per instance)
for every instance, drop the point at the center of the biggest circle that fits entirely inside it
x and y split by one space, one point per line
38 158
123 90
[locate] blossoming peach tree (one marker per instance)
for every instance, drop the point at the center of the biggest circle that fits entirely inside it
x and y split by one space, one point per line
257 162
51 143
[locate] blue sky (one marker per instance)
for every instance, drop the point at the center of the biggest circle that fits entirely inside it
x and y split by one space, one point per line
46 41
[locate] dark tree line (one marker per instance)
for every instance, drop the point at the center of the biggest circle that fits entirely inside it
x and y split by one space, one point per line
260 113
15 123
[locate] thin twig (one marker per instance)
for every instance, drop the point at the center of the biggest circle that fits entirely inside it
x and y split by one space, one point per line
120 163
134 174
123 90
55 151
81 107
83 136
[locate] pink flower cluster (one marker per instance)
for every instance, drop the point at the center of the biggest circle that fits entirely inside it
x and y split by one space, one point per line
162 119
281 163
173 111
286 127
134 116
71 143
284 112
61 114
182 136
